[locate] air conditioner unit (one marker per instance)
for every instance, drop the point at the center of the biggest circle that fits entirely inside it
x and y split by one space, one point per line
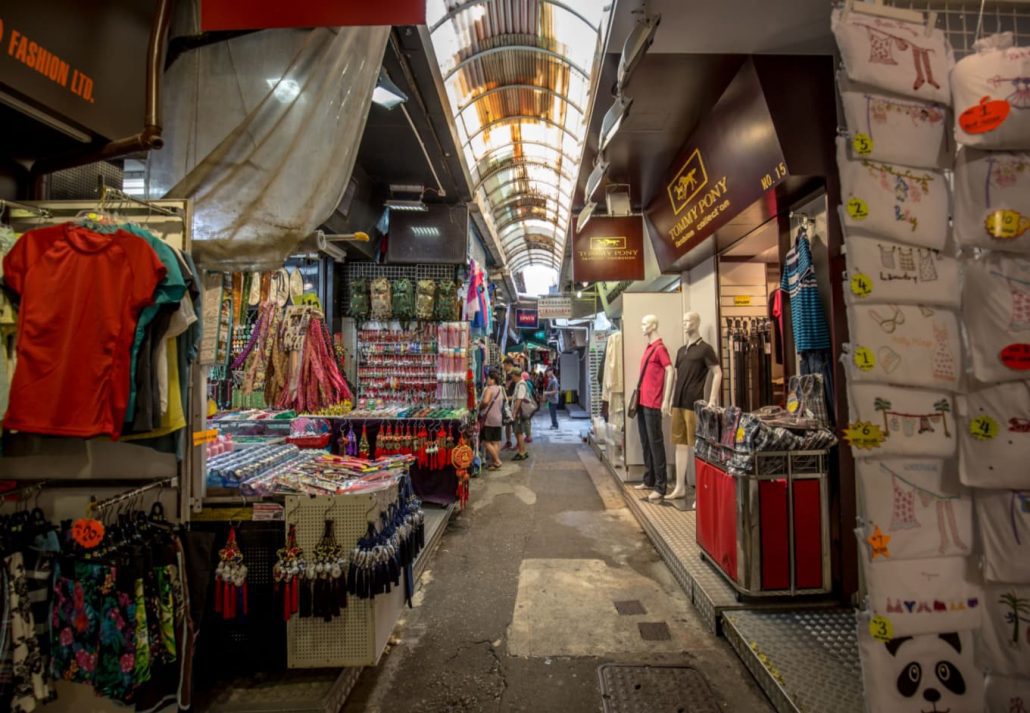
617 198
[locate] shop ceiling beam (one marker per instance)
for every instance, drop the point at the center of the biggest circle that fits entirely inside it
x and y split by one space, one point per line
517 48
516 197
520 119
147 139
537 181
552 147
516 163
550 224
529 87
548 217
472 3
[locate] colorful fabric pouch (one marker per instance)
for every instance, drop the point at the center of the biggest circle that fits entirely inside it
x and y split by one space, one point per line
883 271
1003 517
991 90
996 314
993 427
992 200
902 422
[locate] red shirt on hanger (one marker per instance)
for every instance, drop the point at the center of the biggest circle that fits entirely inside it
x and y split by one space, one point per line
652 379
81 294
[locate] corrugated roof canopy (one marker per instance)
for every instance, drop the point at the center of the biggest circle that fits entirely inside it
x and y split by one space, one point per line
518 77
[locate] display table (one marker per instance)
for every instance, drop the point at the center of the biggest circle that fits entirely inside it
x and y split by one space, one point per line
767 532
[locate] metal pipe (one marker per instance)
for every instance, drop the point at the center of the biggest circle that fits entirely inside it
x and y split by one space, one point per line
147 139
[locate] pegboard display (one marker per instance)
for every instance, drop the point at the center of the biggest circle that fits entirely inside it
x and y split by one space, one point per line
370 271
959 20
358 636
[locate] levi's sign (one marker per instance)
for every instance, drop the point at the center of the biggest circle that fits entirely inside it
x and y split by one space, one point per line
609 250
526 318
726 165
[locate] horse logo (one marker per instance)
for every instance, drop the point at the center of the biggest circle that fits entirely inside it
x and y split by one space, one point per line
687 182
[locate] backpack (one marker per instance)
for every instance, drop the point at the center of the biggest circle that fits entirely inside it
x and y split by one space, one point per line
446 301
403 299
358 299
380 294
425 298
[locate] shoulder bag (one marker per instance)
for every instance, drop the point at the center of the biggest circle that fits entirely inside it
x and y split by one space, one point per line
634 398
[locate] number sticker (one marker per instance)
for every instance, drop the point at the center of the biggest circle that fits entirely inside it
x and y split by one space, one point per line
858 209
88 532
793 404
739 435
864 358
861 285
881 629
1006 224
864 435
986 116
862 144
983 428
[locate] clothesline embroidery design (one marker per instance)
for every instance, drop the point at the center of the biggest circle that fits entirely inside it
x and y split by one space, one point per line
881 51
903 511
1020 96
908 188
903 264
879 108
1019 318
907 423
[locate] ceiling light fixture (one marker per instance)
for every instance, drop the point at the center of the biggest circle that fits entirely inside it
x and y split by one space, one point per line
387 94
411 206
584 216
613 119
640 38
595 177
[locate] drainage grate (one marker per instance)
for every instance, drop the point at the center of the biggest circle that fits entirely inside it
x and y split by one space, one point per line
654 631
629 607
654 689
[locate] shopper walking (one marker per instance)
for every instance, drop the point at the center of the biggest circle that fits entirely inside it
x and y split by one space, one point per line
510 379
520 395
551 391
531 396
491 414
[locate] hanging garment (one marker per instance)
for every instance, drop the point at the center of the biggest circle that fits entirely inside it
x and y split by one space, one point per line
902 674
894 201
1003 646
30 683
359 306
907 501
992 199
806 308
446 308
898 412
67 277
996 315
403 299
381 298
991 88
874 274
1003 518
994 436
425 299
894 55
894 128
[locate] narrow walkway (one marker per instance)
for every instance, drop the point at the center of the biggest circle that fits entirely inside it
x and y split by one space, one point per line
517 609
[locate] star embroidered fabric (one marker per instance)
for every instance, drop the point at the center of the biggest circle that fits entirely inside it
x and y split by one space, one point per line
902 675
996 314
894 128
894 201
993 427
924 513
904 344
991 92
893 55
900 274
914 422
992 199
1003 646
1003 520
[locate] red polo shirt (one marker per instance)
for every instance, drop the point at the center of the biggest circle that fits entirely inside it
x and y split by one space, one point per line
652 379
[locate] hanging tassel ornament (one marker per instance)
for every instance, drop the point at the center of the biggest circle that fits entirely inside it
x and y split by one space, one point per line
470 391
329 590
287 573
461 459
363 445
421 445
231 580
352 442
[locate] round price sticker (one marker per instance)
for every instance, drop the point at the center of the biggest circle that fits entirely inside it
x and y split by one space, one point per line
88 532
858 209
862 144
983 428
793 404
861 285
881 629
740 435
864 358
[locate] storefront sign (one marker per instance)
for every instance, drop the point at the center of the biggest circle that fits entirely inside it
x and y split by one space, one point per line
554 308
526 318
731 160
263 14
84 63
609 250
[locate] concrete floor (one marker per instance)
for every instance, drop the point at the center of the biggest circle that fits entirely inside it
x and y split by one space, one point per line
516 610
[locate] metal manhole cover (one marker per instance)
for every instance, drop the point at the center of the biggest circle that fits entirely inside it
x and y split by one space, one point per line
654 689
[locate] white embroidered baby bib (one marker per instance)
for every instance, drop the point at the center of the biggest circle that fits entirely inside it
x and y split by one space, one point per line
996 315
991 89
900 422
1004 642
993 427
898 56
992 199
894 128
882 271
895 201
914 345
1003 517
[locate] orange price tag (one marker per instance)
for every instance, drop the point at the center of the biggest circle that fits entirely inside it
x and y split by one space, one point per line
986 116
1016 356
208 436
88 532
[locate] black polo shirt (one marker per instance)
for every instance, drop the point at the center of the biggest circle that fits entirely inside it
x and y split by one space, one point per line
692 364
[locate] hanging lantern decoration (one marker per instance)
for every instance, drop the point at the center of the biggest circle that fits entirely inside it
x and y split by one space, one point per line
461 459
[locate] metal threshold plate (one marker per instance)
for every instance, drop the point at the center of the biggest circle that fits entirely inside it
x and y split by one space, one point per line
626 688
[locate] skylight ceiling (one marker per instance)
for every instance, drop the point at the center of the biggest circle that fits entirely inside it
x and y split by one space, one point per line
518 76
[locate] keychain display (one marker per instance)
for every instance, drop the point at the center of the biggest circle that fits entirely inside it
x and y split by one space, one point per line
231 580
288 573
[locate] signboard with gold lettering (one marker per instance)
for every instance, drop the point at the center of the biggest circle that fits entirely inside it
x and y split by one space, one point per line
727 164
609 249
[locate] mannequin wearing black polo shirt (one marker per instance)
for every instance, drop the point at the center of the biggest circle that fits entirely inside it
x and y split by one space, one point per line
694 362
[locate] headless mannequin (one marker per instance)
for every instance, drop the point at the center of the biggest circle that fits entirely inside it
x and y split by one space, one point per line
649 325
685 454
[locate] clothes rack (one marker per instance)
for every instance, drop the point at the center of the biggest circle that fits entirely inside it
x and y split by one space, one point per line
107 194
96 506
34 210
748 349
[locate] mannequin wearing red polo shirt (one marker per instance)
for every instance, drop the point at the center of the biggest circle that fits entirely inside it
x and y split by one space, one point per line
656 377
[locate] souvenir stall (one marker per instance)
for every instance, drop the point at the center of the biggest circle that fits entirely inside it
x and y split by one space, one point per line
940 434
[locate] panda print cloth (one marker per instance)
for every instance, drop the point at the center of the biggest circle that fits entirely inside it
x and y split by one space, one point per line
912 422
894 55
904 344
915 674
882 271
922 596
996 315
993 427
912 510
992 200
1006 694
1003 518
991 88
894 201
894 128
1003 645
